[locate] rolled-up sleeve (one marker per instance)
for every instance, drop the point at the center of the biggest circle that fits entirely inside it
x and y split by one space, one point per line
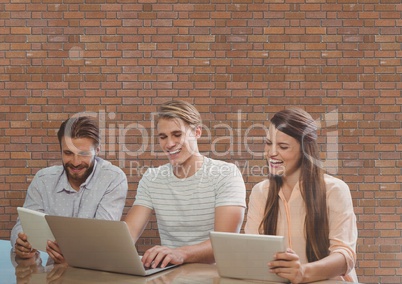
342 223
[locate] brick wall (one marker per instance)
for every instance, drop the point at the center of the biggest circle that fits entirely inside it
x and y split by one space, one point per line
238 62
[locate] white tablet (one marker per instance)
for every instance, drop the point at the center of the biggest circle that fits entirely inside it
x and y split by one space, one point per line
35 226
245 256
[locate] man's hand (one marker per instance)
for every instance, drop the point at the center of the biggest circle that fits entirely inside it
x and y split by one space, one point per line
23 248
54 252
160 256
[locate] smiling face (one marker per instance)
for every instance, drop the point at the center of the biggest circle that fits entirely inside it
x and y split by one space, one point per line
179 142
78 157
283 154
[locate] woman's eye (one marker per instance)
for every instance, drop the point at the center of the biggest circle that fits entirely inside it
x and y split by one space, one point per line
177 135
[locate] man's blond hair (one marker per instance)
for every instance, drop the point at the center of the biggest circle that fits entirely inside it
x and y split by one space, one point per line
182 110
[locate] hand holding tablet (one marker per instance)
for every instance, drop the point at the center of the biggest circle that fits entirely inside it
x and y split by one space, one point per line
35 227
245 256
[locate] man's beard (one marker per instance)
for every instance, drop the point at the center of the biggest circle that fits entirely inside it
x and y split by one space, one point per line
77 177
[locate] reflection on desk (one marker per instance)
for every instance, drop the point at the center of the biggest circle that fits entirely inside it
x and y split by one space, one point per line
190 273
195 273
17 270
38 273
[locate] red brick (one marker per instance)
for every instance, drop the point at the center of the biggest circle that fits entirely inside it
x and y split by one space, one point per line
252 56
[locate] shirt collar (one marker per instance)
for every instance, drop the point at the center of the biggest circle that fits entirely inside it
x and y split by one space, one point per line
295 192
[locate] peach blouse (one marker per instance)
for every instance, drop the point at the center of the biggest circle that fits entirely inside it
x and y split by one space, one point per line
342 220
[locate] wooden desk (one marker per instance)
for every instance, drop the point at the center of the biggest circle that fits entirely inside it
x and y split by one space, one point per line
39 273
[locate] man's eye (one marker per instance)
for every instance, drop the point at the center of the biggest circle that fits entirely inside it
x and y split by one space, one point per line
177 135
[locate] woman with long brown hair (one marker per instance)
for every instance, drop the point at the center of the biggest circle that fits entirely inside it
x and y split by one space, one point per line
311 209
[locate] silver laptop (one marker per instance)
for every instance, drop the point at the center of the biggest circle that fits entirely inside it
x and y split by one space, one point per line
98 244
245 256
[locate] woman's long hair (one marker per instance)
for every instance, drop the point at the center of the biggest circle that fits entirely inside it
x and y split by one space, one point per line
299 124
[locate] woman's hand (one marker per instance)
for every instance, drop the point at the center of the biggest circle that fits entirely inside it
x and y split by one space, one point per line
287 265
